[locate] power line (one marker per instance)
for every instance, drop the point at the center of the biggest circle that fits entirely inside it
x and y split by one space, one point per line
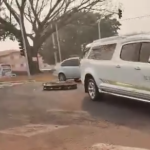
134 18
139 17
113 12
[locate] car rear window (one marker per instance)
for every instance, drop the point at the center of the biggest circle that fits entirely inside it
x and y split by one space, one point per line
71 62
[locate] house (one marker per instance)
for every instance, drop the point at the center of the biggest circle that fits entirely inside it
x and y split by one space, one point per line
17 62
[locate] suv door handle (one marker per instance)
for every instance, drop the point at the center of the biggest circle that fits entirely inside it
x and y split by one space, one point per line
137 68
118 66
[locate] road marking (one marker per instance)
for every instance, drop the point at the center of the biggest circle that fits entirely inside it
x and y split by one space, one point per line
67 111
9 85
31 129
103 146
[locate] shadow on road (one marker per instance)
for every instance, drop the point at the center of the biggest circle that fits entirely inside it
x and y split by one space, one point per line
121 111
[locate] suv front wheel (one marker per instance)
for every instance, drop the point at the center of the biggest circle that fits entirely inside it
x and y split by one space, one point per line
93 90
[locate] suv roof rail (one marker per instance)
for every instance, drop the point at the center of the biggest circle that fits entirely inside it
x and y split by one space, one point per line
106 39
110 38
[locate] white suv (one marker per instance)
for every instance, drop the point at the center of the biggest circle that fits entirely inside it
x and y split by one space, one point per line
118 66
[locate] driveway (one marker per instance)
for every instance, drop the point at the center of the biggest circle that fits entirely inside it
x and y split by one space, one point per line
32 119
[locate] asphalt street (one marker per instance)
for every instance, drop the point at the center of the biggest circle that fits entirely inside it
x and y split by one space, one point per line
112 120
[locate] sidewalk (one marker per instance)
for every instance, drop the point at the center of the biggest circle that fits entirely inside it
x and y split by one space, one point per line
7 84
21 79
103 146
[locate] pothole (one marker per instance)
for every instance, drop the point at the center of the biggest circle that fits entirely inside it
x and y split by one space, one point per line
31 130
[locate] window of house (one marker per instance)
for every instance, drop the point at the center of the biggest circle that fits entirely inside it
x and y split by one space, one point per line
145 52
130 52
103 52
71 62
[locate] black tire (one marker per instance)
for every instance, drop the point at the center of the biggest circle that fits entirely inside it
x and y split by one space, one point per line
96 95
62 77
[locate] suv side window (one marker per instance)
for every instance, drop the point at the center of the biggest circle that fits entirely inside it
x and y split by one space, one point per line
130 52
71 62
145 52
94 53
103 52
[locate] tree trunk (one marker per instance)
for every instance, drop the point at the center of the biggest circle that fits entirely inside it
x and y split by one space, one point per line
33 65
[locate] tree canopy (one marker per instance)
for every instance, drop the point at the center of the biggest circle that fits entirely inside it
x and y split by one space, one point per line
82 29
38 18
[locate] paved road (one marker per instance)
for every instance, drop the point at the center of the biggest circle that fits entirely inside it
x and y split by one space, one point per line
113 120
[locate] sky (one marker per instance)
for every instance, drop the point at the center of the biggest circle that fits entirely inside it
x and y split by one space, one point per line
131 9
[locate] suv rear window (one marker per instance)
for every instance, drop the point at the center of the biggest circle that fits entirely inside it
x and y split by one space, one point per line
103 52
136 52
145 52
130 52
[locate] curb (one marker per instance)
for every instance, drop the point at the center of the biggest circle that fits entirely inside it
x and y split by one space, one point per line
27 81
9 85
9 82
103 146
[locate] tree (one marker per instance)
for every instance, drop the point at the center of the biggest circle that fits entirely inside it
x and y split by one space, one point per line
82 29
42 15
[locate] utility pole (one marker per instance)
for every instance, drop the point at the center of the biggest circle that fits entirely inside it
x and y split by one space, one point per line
54 47
99 28
58 42
24 45
55 57
53 41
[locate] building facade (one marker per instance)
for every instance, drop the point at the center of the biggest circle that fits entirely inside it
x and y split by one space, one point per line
17 62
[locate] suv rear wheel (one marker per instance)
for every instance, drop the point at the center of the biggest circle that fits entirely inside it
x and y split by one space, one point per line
92 90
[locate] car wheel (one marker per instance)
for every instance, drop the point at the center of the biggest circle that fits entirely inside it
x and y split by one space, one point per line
93 90
62 77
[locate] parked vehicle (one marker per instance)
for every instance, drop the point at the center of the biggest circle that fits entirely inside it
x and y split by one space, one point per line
68 69
118 66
